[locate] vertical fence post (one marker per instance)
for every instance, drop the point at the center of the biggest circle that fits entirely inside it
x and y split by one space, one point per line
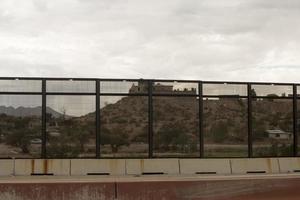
44 120
201 142
295 120
150 119
250 138
98 124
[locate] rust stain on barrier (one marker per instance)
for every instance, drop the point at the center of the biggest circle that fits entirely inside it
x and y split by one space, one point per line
32 166
142 165
113 165
269 165
45 165
298 162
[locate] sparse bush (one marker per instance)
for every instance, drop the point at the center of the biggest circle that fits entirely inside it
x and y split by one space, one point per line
115 137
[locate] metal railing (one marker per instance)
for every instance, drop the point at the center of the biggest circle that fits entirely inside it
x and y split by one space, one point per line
93 108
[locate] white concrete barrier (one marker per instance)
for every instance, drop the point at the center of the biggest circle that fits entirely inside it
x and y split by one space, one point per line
98 167
27 167
254 165
147 166
6 167
205 166
134 166
289 165
152 166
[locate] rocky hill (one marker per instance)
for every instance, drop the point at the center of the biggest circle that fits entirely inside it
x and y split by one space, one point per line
130 115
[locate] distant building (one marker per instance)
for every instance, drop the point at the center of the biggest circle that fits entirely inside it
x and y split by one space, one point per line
53 129
142 87
160 88
279 134
54 134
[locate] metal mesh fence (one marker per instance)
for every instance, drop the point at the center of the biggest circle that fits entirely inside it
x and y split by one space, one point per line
116 118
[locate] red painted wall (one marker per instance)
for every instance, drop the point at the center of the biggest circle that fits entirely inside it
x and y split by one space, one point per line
250 189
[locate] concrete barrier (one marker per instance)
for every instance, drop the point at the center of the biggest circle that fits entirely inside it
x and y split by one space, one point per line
27 167
254 165
205 166
152 166
134 166
289 165
147 166
6 167
98 167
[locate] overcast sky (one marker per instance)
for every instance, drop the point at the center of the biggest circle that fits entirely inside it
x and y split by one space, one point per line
253 40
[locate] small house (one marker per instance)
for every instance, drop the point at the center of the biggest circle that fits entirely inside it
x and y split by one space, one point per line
279 134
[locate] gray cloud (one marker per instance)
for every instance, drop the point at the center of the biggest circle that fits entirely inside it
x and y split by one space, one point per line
250 40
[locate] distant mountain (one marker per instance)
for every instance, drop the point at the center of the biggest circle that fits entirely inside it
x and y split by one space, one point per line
27 111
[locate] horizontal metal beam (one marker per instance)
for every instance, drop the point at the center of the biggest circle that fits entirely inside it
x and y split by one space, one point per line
154 80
